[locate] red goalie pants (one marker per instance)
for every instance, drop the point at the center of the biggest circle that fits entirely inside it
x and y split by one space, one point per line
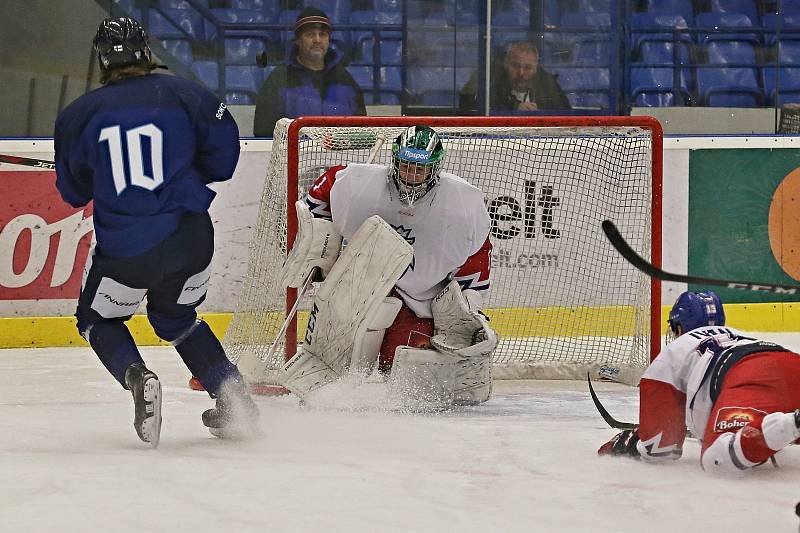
763 383
407 330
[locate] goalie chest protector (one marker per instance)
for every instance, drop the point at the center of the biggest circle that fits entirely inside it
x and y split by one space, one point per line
445 227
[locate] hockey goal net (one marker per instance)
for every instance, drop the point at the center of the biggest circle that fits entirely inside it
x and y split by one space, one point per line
563 301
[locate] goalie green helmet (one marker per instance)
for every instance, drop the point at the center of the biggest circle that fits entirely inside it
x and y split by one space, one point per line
417 156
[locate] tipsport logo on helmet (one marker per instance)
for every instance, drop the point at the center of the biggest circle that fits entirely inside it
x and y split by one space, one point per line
414 155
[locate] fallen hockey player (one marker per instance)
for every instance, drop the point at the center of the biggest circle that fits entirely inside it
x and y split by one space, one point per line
739 395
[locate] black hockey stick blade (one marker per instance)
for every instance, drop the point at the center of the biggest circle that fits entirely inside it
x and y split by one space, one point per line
653 271
610 420
27 161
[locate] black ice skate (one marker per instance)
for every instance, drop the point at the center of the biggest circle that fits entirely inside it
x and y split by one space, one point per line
146 391
235 415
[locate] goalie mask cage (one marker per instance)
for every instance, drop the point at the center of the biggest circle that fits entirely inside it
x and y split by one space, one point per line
562 300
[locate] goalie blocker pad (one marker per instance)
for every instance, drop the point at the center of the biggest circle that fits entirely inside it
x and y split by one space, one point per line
350 304
317 246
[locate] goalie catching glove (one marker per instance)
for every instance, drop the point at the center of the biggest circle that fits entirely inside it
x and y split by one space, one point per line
457 329
317 246
623 443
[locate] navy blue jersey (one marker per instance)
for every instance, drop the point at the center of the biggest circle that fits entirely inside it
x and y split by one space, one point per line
144 149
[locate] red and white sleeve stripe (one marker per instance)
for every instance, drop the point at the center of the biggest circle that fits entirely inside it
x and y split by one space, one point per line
319 195
475 272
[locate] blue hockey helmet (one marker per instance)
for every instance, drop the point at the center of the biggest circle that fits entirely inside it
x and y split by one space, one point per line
120 42
696 309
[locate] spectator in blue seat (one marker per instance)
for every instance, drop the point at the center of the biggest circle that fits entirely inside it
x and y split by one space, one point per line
518 84
312 81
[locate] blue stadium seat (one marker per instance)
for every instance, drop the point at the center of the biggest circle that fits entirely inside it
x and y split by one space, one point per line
433 86
389 84
789 53
468 46
728 87
653 80
180 49
788 79
726 52
592 53
720 21
338 11
646 98
239 16
787 25
601 21
790 7
684 8
661 52
207 72
745 7
126 6
585 86
391 41
243 51
173 4
243 78
268 8
594 6
431 48
468 13
383 6
583 27
185 24
511 19
656 21
363 76
391 79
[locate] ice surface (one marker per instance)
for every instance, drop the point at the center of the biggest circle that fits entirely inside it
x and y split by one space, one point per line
526 461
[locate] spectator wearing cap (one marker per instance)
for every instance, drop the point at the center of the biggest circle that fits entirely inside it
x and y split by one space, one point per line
312 80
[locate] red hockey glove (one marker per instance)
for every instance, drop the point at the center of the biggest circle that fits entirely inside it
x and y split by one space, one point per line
623 443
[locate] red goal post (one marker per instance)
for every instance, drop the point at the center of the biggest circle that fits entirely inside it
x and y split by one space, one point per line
551 178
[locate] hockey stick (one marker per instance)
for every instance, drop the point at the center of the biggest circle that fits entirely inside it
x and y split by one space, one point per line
290 315
27 161
653 271
610 420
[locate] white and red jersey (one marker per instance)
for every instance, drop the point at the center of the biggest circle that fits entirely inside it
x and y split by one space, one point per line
448 228
675 390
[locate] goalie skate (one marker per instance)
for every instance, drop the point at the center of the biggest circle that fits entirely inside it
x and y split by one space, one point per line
146 391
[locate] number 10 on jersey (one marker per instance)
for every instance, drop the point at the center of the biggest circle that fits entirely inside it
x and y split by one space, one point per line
133 138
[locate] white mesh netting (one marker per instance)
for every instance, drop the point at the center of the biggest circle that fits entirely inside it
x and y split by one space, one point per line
562 299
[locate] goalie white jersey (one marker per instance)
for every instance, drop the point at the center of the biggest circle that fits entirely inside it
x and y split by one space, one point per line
448 228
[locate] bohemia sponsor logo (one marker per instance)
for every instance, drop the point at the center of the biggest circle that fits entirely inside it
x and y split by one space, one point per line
43 241
735 418
530 217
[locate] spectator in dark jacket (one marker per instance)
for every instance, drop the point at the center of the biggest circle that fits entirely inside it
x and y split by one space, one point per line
517 84
313 80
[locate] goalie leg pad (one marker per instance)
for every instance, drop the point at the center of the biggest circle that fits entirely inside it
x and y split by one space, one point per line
306 372
350 297
473 380
369 337
317 246
422 380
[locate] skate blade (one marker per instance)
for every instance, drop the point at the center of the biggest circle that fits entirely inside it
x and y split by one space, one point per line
151 426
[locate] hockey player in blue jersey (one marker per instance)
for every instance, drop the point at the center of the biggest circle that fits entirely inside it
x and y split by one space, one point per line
144 147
